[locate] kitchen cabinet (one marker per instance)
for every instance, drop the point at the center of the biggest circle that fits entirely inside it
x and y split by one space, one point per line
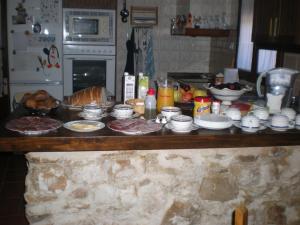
90 4
275 22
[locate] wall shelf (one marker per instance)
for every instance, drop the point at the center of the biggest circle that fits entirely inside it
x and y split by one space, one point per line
206 32
195 32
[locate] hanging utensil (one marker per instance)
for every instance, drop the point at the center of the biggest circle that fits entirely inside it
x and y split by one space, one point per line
124 12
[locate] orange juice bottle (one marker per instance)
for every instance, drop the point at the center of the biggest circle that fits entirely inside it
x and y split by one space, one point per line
165 94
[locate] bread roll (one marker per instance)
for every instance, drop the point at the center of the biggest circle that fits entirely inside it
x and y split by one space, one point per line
39 100
86 96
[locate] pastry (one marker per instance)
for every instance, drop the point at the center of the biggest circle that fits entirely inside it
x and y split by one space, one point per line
86 96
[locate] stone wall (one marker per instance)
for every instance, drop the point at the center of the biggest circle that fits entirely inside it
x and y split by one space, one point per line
164 187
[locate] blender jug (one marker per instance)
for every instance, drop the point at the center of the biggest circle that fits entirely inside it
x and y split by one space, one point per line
278 87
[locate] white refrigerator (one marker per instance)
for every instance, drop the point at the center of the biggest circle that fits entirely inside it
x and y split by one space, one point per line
35 47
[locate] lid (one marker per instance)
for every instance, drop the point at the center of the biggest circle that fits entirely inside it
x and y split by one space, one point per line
126 74
151 91
202 99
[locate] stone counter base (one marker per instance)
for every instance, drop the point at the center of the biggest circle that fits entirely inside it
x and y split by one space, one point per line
164 187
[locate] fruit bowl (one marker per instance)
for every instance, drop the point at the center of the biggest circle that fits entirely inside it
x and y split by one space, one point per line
227 95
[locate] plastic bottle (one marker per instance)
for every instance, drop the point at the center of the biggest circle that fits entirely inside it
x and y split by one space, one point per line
150 105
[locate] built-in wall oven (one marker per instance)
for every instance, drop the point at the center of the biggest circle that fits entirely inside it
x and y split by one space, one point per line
89 49
86 66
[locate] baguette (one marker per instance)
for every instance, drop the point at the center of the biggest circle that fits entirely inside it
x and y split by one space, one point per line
86 96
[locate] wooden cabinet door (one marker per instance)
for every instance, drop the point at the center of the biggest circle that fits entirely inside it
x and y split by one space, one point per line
263 20
286 28
274 21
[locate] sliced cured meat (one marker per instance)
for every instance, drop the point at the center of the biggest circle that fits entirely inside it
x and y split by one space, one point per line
33 125
134 126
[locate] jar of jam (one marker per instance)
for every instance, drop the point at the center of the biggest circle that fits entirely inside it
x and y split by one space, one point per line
201 106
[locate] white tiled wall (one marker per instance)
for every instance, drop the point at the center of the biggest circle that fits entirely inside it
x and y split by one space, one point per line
175 53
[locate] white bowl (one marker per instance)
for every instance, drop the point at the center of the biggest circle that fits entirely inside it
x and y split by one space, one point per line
280 121
250 122
169 111
181 122
213 121
226 94
261 113
233 113
122 111
289 112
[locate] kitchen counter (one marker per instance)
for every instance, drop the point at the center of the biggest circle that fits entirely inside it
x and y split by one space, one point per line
157 178
107 140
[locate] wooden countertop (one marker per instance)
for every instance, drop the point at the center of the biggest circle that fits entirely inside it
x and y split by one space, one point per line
106 139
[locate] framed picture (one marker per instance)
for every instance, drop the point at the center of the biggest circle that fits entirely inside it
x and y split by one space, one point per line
143 16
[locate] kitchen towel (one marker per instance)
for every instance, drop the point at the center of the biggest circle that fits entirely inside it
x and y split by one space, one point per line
149 59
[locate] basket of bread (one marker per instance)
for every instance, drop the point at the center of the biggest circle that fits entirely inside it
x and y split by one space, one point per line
39 102
91 95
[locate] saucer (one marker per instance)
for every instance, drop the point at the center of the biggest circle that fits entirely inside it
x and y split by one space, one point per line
250 129
193 127
280 129
87 117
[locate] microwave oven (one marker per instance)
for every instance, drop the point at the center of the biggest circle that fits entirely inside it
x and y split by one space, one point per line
89 26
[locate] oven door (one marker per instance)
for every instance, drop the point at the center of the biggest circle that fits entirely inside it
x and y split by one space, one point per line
82 71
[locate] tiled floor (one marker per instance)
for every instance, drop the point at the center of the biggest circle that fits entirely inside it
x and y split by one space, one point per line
12 186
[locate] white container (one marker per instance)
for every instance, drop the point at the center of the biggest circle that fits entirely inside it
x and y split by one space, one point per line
128 87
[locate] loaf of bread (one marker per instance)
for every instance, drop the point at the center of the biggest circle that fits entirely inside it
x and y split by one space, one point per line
95 94
39 100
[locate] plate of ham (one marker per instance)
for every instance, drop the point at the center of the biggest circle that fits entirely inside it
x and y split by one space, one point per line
33 125
134 126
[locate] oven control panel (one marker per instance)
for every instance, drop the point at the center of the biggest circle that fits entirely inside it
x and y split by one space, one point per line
89 50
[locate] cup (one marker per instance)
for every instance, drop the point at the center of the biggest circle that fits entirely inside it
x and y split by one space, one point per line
280 121
289 112
169 111
250 122
122 111
92 110
231 75
233 113
297 120
261 113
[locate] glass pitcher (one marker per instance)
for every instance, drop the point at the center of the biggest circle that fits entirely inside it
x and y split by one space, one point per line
165 93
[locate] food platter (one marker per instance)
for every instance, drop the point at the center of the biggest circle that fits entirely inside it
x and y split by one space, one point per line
33 125
134 126
84 125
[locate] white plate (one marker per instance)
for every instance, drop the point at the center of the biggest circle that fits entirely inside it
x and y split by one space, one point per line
87 117
213 121
250 130
134 115
193 127
84 125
